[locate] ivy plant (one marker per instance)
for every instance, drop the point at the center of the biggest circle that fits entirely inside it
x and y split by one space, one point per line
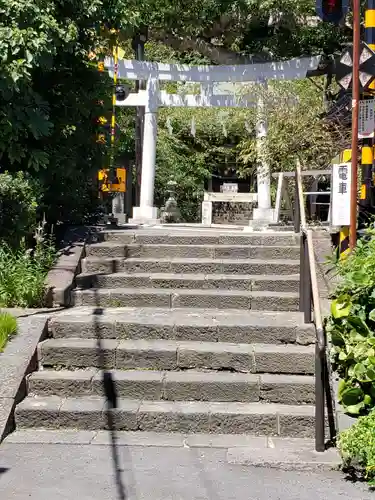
351 327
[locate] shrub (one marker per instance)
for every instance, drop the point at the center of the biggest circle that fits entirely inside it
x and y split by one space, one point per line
18 204
8 328
352 328
23 272
357 447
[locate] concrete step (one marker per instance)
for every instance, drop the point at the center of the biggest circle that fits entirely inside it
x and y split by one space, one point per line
199 237
189 265
287 283
88 413
172 355
238 326
210 299
163 251
244 450
187 385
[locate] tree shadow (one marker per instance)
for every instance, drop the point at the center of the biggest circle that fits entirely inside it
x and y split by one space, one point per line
109 391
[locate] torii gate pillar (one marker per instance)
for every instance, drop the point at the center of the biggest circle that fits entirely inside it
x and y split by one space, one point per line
263 214
146 212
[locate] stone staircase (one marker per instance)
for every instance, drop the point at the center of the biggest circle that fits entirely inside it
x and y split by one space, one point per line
201 331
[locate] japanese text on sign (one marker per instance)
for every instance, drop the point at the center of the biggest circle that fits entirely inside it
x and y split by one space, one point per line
366 120
229 187
340 194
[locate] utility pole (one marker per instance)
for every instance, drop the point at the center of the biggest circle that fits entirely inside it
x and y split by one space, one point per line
138 45
355 111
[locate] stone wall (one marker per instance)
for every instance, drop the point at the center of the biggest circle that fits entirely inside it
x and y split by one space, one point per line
232 213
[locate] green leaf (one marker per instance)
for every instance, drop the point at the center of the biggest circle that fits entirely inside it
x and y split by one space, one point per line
355 409
352 396
342 356
370 374
337 338
360 371
340 307
372 315
361 351
359 325
367 400
342 386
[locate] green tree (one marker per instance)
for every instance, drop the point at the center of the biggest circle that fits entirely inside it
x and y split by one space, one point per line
48 91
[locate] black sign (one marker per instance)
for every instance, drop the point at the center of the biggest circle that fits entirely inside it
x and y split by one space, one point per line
344 67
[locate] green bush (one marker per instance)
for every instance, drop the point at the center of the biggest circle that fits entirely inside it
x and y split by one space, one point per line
357 447
352 328
8 328
23 272
18 204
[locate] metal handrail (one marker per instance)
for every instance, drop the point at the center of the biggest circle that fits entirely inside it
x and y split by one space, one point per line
309 296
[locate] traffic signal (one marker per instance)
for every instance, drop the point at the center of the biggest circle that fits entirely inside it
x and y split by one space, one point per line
332 11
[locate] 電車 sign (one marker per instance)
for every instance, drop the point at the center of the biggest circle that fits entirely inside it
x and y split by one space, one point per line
340 194
366 121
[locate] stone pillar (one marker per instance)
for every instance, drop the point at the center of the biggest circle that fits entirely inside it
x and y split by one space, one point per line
263 212
207 213
146 212
118 207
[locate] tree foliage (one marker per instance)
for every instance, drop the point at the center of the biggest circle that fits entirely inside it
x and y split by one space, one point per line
296 129
48 91
242 30
49 84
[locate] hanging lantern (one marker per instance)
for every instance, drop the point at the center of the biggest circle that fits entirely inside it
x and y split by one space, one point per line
193 129
169 126
222 117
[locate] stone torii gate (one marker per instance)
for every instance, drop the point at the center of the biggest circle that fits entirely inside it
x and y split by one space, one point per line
152 98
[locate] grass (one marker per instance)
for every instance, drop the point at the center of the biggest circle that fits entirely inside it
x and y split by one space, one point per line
8 328
23 273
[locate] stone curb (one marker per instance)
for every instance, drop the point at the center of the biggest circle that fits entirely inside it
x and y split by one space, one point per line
60 279
327 283
18 360
281 453
285 454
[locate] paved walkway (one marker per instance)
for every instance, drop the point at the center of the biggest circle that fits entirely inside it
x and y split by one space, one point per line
87 472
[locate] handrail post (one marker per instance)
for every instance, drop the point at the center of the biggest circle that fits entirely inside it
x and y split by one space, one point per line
319 399
297 208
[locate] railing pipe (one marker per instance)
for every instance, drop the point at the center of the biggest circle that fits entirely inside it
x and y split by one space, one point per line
319 399
302 279
309 296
